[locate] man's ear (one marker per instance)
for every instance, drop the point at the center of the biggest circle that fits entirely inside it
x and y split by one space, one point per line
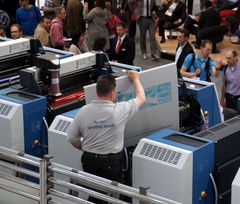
113 94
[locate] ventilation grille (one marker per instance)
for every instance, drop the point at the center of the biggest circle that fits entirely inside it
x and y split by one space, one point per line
203 133
5 109
159 153
232 121
63 126
218 127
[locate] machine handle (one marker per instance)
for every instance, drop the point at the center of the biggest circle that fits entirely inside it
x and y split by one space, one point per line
215 188
126 158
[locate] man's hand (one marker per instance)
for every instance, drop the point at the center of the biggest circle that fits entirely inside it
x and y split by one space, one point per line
133 76
219 64
177 22
222 103
140 94
197 72
197 18
77 144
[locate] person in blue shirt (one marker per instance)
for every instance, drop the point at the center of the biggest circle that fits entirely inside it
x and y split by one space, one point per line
202 66
28 17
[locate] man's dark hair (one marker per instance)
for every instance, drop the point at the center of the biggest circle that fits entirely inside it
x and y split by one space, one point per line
123 24
105 84
99 44
208 4
75 37
44 17
58 10
100 3
204 42
184 31
16 25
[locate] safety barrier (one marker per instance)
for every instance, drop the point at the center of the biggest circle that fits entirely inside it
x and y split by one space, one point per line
43 181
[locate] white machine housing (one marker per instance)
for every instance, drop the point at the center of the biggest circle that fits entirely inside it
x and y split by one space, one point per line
158 171
62 151
235 197
11 125
10 47
175 166
76 63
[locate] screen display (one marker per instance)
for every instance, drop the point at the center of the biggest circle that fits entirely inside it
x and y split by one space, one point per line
21 96
193 142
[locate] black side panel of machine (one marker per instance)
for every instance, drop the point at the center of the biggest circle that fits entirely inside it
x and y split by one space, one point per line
227 155
227 139
13 64
224 176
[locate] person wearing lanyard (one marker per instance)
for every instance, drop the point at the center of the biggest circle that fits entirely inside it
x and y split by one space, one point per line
202 66
231 83
98 128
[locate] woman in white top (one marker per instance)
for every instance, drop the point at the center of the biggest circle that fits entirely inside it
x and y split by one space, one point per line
78 45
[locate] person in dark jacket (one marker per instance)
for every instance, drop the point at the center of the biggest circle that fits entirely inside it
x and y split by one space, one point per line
184 47
172 16
122 48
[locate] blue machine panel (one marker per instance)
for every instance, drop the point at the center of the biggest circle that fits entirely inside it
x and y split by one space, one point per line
207 97
34 110
203 161
72 113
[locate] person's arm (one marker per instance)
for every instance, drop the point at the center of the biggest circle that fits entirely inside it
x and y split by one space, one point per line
186 68
38 14
140 94
77 144
185 73
18 19
90 15
85 10
74 134
215 71
215 67
222 101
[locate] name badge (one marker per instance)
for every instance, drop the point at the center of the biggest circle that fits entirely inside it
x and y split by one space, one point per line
123 49
203 65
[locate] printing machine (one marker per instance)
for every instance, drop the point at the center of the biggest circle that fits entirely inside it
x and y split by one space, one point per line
62 80
191 179
191 169
176 166
18 54
58 81
197 97
22 123
204 91
205 94
226 138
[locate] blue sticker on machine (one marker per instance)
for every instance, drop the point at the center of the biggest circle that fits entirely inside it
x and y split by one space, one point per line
156 95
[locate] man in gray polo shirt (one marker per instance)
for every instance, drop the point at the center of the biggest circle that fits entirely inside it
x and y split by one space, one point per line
101 125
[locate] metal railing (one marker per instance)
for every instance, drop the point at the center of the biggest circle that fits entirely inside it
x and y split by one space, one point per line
42 175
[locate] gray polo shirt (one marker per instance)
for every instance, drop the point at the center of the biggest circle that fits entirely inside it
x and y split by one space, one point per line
101 124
